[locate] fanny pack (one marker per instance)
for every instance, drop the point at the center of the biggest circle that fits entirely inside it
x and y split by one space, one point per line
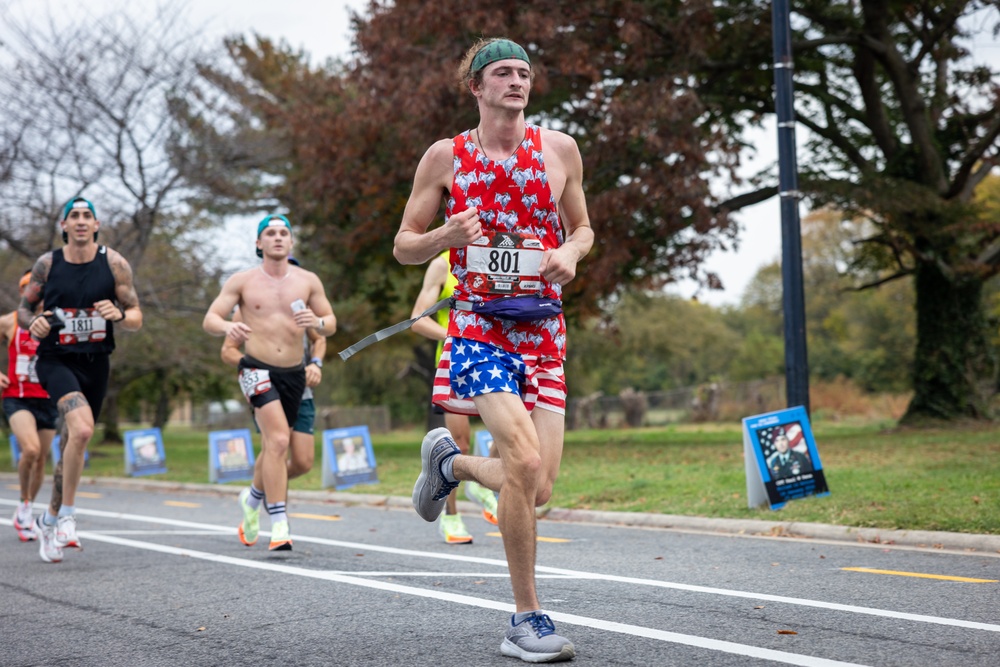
517 308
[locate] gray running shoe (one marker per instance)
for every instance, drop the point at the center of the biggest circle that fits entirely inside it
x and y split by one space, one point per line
431 490
535 640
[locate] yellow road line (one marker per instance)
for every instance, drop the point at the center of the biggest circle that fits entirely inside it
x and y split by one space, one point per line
557 540
87 494
318 517
178 503
921 575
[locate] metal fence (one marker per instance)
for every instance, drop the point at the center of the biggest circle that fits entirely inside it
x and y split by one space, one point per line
233 414
376 417
715 401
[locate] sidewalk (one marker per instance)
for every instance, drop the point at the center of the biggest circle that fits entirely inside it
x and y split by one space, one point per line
921 539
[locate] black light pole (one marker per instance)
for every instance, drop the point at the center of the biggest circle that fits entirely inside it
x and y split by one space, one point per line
793 294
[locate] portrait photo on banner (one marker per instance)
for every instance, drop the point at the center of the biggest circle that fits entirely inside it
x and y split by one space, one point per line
348 457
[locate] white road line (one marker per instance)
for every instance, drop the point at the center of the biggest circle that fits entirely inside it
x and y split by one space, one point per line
572 619
541 569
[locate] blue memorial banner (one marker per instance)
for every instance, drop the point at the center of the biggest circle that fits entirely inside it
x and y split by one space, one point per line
230 456
781 458
54 453
484 442
15 451
348 458
144 453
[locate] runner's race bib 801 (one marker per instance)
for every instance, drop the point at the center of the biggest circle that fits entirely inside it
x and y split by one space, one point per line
505 263
254 381
24 367
83 325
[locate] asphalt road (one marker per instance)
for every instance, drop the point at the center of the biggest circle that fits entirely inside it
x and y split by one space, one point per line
163 580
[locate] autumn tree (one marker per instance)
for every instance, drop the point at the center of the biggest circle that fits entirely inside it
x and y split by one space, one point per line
337 144
903 126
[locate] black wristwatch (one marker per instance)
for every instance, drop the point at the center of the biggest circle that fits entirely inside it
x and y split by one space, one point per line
317 361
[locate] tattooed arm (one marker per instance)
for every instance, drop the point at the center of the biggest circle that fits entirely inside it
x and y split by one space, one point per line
34 293
127 312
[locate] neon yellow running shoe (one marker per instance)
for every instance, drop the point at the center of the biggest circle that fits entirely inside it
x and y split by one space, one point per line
484 498
250 525
453 529
280 539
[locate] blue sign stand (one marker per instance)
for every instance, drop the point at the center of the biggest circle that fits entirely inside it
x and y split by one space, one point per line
54 453
781 459
15 451
230 456
348 458
144 453
484 442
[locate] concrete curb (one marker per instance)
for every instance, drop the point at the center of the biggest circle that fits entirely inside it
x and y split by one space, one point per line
937 540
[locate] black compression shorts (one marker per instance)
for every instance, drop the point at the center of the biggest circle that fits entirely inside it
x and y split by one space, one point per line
87 373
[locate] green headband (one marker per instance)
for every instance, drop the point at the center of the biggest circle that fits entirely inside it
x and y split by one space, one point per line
501 49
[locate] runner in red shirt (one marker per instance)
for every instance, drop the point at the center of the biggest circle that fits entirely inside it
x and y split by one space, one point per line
30 413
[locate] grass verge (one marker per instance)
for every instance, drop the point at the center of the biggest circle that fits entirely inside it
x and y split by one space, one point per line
878 477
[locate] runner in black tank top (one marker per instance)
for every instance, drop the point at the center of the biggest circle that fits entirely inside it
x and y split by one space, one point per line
85 289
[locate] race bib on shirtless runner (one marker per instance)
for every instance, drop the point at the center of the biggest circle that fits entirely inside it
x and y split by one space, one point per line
24 368
254 381
83 325
505 263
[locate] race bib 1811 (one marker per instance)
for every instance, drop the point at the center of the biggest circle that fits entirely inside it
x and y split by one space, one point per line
83 325
505 263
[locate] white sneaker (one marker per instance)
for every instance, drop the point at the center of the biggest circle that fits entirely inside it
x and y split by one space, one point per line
23 522
66 533
47 548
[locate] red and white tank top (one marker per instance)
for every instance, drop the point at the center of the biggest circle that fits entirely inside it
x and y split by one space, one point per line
22 353
520 221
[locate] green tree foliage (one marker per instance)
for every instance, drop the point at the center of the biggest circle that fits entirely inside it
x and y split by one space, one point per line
650 342
170 358
988 196
867 336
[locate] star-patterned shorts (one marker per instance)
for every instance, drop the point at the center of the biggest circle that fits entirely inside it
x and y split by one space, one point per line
472 368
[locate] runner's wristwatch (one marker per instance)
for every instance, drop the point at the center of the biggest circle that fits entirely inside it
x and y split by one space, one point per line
317 361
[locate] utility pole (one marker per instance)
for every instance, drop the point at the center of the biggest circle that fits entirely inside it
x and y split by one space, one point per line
793 292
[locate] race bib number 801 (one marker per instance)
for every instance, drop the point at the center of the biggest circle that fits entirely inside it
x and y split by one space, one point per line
505 263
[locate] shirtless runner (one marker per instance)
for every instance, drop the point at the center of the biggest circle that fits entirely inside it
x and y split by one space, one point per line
277 302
